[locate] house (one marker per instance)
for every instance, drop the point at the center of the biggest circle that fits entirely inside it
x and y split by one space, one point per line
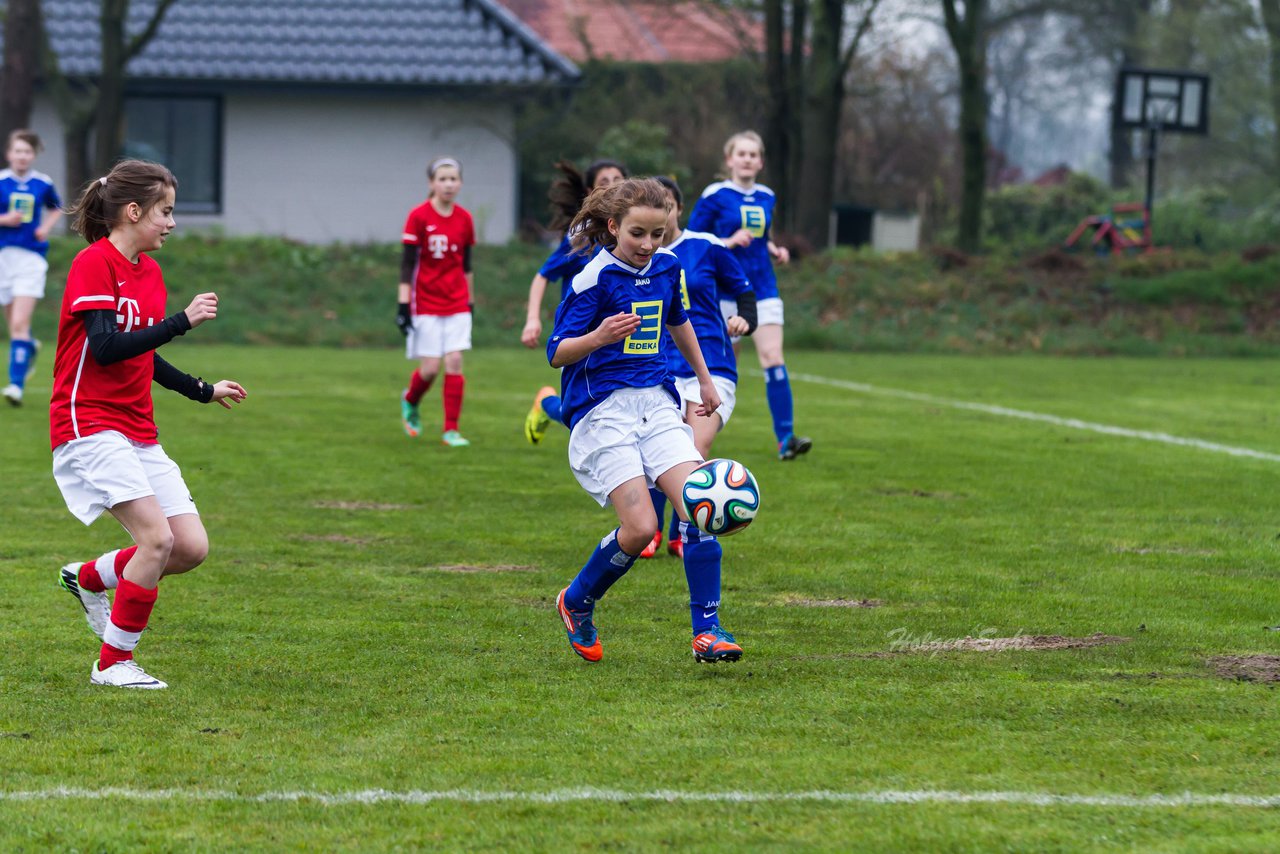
642 30
315 119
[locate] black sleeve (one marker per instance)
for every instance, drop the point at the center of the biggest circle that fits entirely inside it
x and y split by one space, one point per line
109 345
408 261
747 310
466 259
184 384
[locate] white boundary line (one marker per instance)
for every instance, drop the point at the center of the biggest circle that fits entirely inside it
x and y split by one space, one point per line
566 796
1073 423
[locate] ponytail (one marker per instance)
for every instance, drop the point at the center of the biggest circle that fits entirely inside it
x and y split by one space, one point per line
98 210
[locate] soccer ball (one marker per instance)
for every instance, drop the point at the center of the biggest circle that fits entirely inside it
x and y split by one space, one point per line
721 497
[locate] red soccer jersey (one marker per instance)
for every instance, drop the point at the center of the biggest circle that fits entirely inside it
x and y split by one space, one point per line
88 397
440 286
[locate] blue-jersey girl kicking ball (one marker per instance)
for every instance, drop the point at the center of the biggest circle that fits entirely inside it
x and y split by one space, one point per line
621 406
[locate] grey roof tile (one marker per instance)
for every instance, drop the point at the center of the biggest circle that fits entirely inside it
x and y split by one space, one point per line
382 42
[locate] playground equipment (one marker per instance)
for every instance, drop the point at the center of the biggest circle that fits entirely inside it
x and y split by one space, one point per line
1116 232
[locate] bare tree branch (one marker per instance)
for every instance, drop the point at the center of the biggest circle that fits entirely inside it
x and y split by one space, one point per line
139 42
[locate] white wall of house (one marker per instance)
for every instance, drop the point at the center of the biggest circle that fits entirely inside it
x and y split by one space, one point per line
324 168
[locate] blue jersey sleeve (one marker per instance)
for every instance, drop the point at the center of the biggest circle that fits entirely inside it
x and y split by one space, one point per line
575 317
676 315
51 200
561 261
703 216
730 279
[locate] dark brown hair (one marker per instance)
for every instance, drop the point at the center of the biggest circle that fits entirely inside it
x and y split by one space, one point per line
571 188
30 137
98 210
591 225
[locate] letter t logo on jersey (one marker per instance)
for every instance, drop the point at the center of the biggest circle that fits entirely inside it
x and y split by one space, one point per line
437 244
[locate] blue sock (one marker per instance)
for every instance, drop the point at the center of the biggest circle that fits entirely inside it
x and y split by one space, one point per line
659 499
702 570
673 533
606 565
551 406
777 390
20 353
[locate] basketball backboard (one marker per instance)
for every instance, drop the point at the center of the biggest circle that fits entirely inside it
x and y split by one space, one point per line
1149 99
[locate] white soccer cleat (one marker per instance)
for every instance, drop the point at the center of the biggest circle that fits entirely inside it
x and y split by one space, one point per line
13 394
97 607
125 674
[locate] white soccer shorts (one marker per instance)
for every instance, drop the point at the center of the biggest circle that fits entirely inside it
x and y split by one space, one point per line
634 432
22 274
98 472
728 389
434 335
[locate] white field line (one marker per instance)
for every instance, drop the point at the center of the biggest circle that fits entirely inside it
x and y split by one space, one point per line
1073 423
568 796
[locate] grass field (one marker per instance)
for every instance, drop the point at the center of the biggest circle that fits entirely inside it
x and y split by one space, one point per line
370 658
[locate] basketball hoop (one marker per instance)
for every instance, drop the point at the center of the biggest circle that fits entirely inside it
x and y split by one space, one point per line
1160 101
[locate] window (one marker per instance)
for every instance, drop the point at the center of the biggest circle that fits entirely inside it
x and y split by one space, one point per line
185 134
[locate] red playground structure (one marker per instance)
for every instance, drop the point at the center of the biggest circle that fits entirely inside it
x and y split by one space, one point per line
1116 232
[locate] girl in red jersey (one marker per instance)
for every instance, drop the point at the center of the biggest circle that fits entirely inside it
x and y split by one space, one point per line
435 302
105 452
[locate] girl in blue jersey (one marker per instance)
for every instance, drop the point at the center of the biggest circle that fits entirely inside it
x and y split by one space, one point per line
567 194
740 211
31 209
708 271
621 406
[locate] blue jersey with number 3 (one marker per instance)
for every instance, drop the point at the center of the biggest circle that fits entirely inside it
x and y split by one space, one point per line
608 286
723 209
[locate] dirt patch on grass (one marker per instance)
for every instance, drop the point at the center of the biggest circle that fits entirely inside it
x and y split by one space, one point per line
1031 642
471 568
359 505
336 538
803 602
918 493
1169 550
1247 668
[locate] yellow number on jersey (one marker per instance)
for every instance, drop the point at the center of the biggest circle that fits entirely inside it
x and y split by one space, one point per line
684 291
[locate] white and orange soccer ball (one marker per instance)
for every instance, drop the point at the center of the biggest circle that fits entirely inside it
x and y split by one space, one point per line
721 497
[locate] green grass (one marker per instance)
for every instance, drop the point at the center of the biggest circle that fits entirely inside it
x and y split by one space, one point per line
321 647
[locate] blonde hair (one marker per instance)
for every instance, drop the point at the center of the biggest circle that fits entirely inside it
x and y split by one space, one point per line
98 210
743 136
591 225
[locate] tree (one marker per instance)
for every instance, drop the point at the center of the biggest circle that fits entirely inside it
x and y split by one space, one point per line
97 105
828 66
805 67
22 30
1271 19
966 29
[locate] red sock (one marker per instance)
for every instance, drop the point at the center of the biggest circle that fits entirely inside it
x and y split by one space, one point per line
453 385
89 578
417 388
129 616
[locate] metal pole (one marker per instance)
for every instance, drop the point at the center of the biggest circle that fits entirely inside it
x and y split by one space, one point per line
1152 143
